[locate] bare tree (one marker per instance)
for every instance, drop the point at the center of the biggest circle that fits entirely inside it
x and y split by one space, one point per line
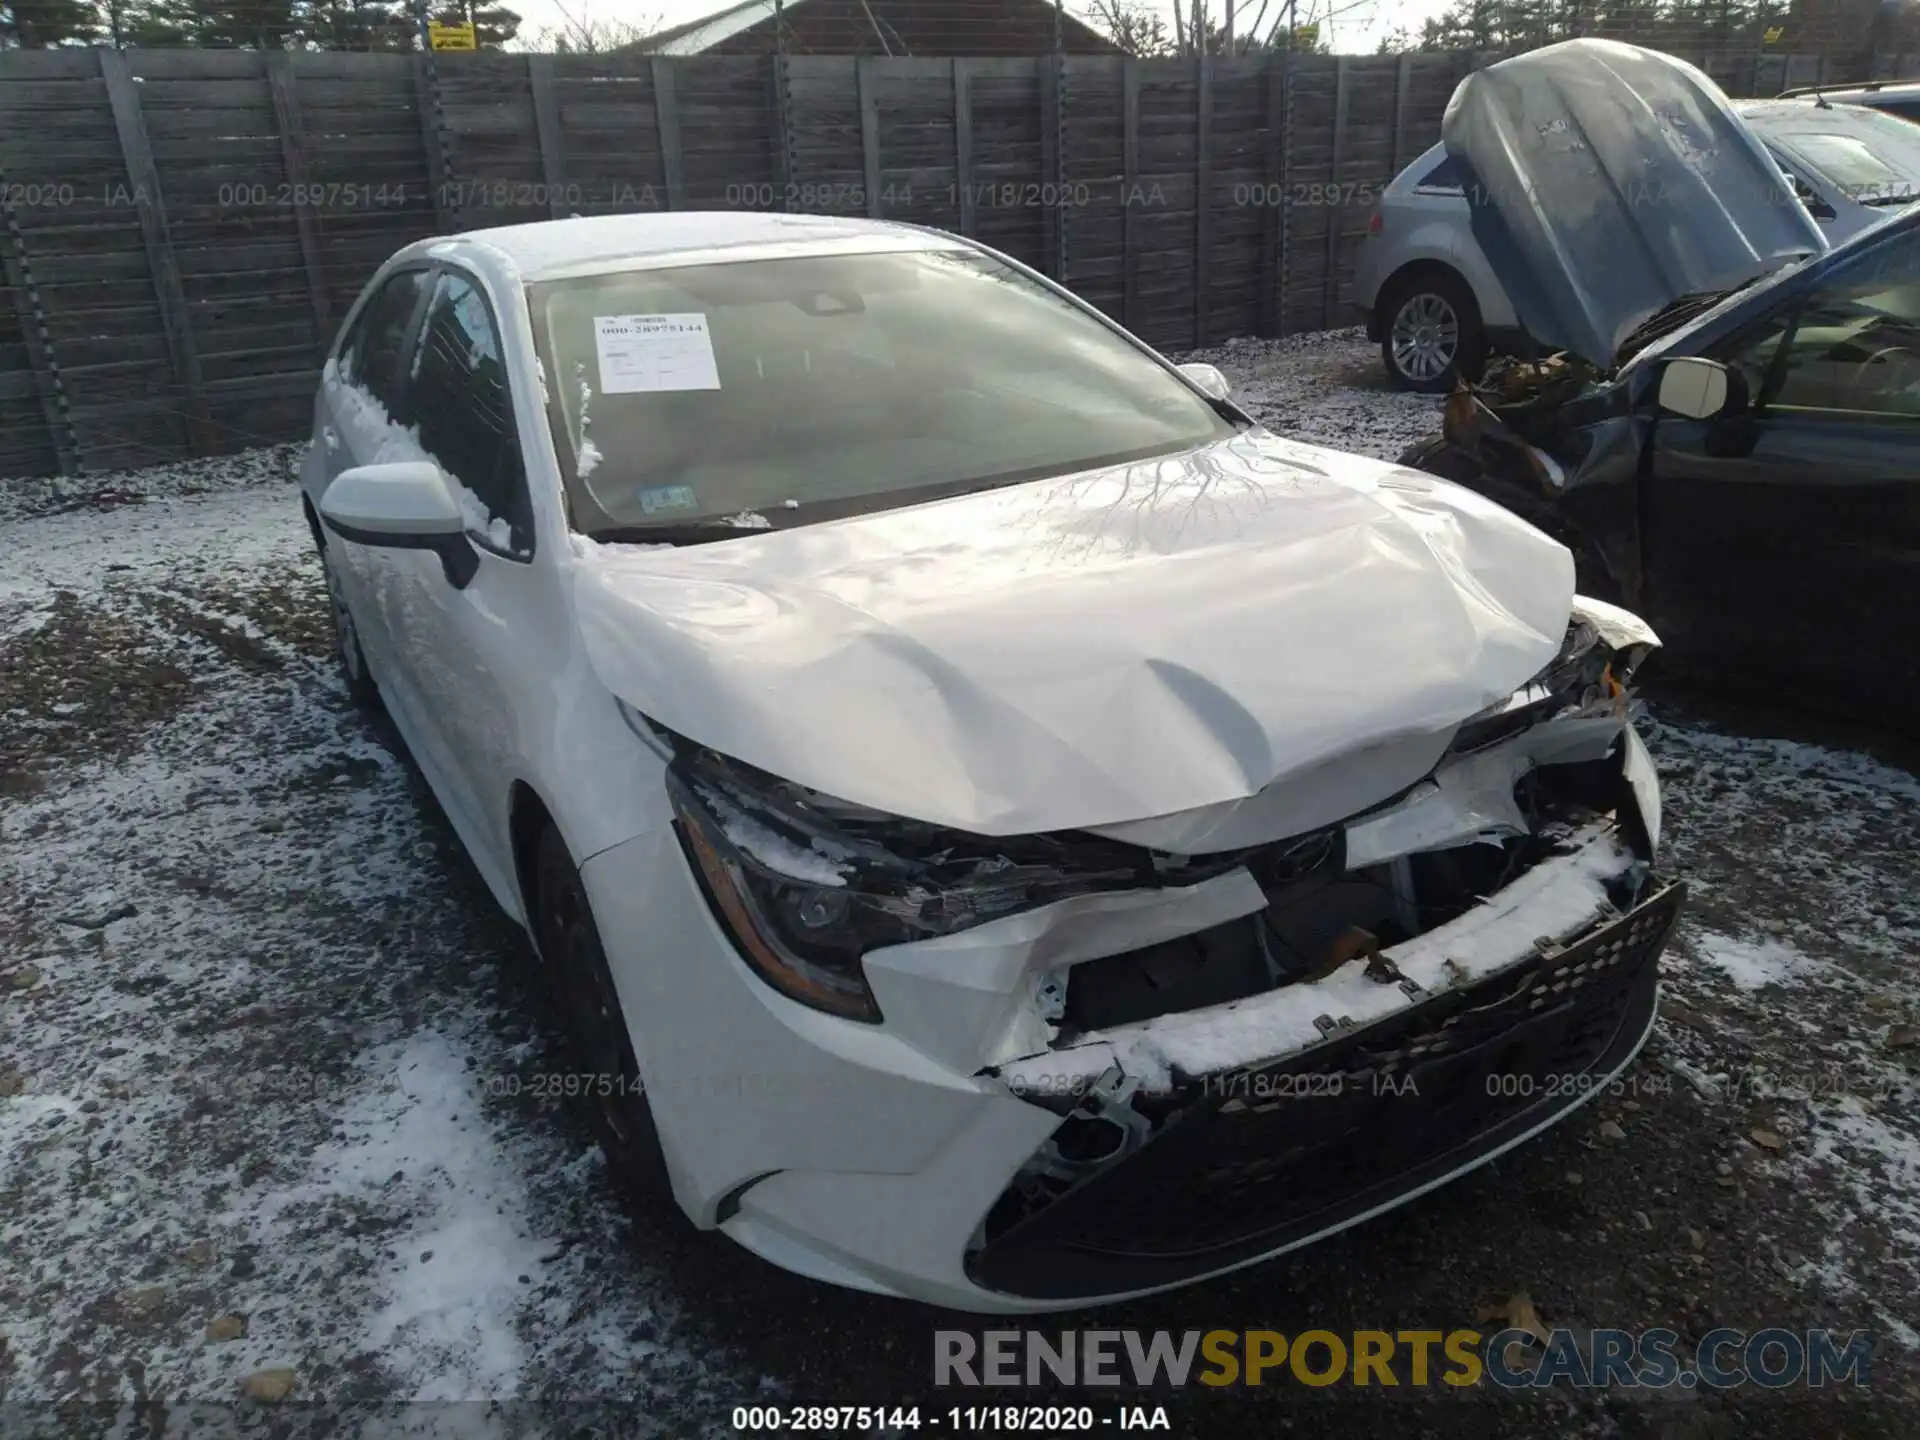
583 33
1133 25
1199 25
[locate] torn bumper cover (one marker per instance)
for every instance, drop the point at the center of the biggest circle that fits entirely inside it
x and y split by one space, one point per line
1207 1141
1089 1067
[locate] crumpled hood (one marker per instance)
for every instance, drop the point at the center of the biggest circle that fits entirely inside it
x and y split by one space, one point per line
1094 649
1612 181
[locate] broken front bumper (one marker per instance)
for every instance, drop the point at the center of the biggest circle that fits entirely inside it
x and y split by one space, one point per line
1252 1161
970 1152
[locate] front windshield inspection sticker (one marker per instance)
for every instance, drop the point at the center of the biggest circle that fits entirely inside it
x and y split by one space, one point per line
640 354
656 498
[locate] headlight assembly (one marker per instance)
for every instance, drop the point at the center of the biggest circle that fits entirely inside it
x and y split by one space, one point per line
806 885
1581 673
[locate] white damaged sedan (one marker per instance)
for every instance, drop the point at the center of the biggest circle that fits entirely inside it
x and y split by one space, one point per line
1004 828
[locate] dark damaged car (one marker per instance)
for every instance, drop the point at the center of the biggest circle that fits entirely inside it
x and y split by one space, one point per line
1723 420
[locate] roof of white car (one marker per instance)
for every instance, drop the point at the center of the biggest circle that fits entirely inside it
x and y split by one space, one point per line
587 243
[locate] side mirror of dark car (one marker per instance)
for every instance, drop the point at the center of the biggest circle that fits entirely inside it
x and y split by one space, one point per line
1701 389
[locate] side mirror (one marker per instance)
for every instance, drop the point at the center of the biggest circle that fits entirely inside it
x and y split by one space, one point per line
1699 389
1209 379
402 505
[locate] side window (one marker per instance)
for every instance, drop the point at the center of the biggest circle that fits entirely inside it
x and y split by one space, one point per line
370 355
1802 191
1444 176
458 395
1852 343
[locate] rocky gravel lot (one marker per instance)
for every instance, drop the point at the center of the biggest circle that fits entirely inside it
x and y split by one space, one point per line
261 1027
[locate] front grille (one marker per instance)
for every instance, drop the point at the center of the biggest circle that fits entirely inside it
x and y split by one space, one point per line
1252 1162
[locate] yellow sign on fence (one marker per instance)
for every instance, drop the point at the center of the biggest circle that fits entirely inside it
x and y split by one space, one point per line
450 37
1772 34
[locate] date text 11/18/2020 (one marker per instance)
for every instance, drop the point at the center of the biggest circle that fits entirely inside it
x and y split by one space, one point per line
1040 1419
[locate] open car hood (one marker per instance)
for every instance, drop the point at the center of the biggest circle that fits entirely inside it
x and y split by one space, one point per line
1095 649
1607 182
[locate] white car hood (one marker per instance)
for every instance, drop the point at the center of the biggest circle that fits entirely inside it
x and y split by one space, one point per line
1090 650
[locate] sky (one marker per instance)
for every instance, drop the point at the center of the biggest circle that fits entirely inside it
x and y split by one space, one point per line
1356 31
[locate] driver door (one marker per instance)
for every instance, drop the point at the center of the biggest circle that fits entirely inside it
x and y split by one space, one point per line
1782 542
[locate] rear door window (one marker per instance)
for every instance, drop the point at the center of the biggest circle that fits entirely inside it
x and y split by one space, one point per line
370 355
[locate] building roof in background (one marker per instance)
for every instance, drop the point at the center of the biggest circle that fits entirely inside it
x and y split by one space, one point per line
694 37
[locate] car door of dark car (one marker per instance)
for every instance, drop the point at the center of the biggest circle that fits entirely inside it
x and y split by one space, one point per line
1782 540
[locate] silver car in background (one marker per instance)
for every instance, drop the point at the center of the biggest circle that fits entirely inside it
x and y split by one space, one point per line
1437 310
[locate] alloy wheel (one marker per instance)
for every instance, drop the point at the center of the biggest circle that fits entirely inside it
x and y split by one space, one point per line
1426 336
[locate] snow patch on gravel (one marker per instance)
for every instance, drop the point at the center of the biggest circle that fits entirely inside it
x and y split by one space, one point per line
264 981
23 496
414 1137
1752 964
1327 389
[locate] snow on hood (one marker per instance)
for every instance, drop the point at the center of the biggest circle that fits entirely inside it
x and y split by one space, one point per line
1089 650
1612 181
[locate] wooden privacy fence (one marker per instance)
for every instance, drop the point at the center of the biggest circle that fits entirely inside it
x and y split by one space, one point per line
183 230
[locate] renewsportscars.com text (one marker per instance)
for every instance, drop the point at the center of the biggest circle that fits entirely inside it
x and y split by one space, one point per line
1771 1358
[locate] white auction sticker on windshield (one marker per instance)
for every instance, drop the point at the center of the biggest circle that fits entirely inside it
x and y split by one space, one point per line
643 353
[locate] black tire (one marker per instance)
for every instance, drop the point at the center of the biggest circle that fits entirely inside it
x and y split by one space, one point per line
602 1049
353 660
1432 319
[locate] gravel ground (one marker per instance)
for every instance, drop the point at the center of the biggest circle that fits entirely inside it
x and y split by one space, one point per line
257 1014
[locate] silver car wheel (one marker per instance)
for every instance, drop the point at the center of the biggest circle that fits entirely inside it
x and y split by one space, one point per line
1426 336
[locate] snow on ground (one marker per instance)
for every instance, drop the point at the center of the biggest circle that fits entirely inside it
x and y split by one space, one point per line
253 1032
1751 964
1328 388
1798 999
22 496
263 1036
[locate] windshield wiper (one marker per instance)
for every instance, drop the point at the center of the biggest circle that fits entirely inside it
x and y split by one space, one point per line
682 532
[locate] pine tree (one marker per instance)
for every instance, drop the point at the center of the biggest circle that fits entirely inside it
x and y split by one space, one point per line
362 25
34 24
248 24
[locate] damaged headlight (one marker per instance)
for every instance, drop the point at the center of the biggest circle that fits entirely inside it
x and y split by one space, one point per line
806 884
1587 671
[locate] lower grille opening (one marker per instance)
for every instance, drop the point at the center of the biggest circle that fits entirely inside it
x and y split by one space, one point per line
1320 914
1225 1168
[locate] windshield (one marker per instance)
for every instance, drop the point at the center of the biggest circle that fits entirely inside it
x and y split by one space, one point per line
1874 159
774 392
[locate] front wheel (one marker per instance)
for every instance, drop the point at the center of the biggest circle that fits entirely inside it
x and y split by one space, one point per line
1433 337
353 660
604 1072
